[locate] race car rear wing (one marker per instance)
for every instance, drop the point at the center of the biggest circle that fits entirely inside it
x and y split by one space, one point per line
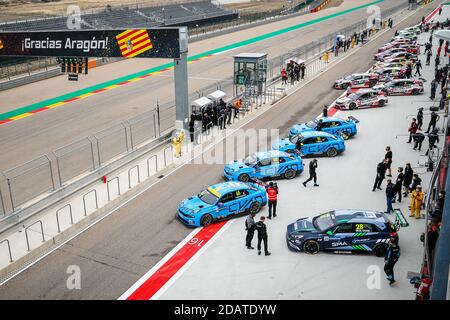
352 118
400 219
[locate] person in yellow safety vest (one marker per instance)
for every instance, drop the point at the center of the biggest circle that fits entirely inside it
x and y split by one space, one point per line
176 143
353 41
325 56
416 202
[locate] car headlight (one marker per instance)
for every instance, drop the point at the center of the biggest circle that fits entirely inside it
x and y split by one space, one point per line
298 237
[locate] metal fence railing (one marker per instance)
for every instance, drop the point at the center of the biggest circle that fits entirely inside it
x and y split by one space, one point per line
66 164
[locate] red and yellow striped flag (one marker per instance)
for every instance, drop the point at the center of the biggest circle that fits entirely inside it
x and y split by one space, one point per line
1 44
134 42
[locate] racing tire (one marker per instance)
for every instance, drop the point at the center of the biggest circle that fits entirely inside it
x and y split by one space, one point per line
289 174
244 177
352 106
311 247
381 103
206 220
254 208
379 250
345 135
332 152
415 92
345 86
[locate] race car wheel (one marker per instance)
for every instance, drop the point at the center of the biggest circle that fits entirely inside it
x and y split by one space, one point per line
289 174
381 103
352 106
311 247
206 220
372 83
415 92
243 177
345 135
255 207
379 250
332 152
344 85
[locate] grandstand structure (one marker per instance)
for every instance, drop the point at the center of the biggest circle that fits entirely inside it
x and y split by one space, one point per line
187 14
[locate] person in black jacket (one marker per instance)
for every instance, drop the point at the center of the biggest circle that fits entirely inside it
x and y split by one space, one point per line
381 172
433 121
392 256
418 138
250 227
388 156
407 179
416 181
312 173
262 235
419 119
399 183
390 194
433 137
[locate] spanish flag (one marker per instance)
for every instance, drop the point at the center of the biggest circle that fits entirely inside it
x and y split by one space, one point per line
134 42
1 44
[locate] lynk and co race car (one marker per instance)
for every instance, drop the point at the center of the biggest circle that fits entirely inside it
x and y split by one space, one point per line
356 80
263 165
362 98
401 87
345 231
333 125
312 143
222 201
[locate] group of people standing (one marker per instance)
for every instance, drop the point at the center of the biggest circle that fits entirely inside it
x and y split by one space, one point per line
293 72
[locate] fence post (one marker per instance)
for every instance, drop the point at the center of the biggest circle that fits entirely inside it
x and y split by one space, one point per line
26 233
57 215
10 194
51 171
84 200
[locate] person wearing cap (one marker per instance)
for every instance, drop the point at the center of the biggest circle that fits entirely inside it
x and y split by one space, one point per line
262 235
417 197
391 258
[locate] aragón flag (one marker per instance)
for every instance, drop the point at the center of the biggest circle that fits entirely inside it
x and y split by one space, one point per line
134 42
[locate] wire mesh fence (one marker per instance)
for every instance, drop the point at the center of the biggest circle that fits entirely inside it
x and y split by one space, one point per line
74 159
111 143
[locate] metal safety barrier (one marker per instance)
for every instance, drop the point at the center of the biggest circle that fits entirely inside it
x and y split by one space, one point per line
70 213
84 200
26 233
118 187
165 156
9 249
138 174
148 164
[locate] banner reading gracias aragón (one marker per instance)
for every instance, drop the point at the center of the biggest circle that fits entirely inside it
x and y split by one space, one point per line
139 43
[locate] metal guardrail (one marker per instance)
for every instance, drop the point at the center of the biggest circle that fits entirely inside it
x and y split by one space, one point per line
57 215
9 249
26 232
138 175
94 191
118 187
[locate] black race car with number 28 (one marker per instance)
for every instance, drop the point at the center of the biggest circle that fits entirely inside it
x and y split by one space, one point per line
345 230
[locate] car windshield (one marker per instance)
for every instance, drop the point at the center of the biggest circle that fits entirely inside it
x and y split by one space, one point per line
296 138
324 221
207 197
250 160
353 96
312 124
350 77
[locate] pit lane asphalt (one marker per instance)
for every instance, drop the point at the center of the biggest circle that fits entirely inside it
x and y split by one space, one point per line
116 252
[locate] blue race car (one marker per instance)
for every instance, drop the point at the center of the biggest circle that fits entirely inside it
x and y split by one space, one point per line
311 143
266 164
344 230
221 201
333 125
